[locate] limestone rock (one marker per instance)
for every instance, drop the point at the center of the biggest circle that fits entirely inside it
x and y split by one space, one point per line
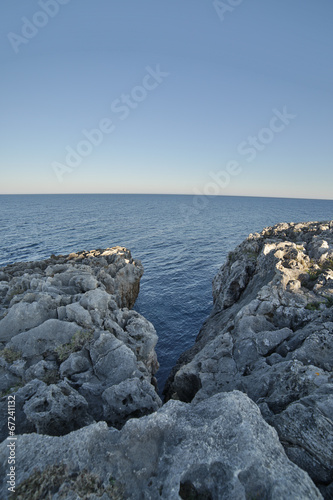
270 335
57 409
113 361
36 343
76 363
217 449
23 316
306 429
130 398
67 335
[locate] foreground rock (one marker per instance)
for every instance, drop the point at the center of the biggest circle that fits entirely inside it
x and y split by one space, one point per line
217 449
270 335
72 351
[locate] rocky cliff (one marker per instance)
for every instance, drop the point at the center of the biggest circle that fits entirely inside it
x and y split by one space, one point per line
270 335
72 350
250 405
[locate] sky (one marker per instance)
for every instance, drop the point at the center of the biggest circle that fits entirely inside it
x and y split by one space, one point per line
229 97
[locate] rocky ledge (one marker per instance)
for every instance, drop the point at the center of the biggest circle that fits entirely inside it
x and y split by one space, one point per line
219 449
250 405
72 350
270 335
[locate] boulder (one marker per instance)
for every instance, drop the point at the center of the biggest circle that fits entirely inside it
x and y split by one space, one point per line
24 316
113 361
57 409
77 363
45 338
46 371
131 398
75 312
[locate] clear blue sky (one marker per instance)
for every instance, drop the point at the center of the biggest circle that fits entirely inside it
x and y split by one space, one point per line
74 65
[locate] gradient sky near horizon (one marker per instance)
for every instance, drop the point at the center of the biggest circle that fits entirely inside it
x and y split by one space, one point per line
228 74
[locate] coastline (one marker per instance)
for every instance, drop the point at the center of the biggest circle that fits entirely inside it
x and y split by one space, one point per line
271 298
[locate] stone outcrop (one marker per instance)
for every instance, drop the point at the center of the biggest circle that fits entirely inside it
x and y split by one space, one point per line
270 335
220 448
72 350
249 407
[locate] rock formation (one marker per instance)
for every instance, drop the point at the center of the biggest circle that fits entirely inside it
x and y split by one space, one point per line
217 449
72 351
270 335
249 407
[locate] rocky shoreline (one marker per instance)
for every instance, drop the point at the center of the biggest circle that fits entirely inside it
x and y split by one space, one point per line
270 335
249 411
73 350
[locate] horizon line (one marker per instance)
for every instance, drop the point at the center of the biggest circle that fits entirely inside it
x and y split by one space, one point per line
169 194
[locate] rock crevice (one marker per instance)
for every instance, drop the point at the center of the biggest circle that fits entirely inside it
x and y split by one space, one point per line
249 407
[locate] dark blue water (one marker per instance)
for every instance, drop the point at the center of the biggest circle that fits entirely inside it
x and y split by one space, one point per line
180 255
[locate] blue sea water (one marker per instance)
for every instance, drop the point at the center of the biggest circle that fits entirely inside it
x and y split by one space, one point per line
180 254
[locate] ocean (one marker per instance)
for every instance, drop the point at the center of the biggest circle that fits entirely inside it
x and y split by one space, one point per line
181 240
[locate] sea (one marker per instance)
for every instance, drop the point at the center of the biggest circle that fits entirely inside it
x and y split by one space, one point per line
182 241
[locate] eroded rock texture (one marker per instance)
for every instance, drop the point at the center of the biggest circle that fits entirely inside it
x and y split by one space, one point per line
72 350
218 449
73 353
270 335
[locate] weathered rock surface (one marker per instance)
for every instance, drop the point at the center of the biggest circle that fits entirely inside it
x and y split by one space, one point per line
220 448
270 335
70 344
73 353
